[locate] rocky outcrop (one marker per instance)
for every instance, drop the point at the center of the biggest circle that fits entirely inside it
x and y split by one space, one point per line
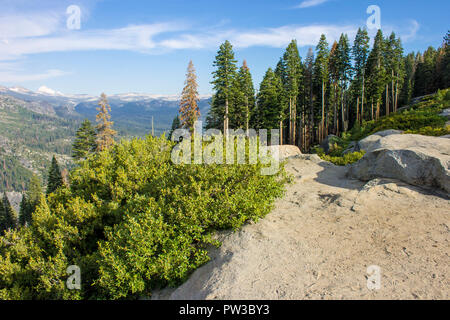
366 143
284 151
320 238
414 159
446 113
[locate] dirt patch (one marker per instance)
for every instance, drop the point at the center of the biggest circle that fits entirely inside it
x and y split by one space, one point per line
319 240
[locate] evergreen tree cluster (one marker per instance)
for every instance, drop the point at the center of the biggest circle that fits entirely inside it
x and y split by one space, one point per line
8 217
32 197
331 91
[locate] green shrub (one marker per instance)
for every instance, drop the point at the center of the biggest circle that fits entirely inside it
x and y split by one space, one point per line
430 131
423 118
345 159
132 220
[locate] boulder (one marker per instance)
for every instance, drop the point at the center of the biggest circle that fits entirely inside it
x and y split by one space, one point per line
414 159
284 151
445 113
366 143
351 147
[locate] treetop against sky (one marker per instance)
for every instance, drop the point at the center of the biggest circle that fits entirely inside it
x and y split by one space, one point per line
144 46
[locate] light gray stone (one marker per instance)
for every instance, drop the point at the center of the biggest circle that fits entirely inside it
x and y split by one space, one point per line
414 159
368 142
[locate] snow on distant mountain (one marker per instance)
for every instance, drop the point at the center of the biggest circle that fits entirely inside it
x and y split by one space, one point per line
48 91
132 112
21 90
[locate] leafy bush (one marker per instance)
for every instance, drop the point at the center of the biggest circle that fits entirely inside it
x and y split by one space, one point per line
132 221
340 159
430 131
423 118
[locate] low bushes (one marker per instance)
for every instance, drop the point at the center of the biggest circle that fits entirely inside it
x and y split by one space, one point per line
132 221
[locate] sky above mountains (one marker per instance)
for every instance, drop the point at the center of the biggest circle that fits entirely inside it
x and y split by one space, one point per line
144 46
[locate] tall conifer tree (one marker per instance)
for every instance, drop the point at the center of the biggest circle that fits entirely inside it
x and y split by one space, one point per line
84 142
105 133
321 78
55 179
224 81
8 217
245 103
189 111
360 53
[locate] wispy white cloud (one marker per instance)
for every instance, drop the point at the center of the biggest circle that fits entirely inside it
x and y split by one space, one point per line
265 37
16 76
133 38
153 38
310 3
33 25
22 35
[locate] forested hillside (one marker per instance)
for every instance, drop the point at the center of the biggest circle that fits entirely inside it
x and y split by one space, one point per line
28 140
34 127
335 87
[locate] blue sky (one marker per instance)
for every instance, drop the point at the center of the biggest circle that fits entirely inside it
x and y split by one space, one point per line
145 46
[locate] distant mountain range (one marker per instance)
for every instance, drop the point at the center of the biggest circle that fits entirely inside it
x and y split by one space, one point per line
35 125
131 112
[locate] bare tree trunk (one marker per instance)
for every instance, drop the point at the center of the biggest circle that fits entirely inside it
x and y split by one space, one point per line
342 112
378 110
294 121
387 99
396 94
362 101
392 92
335 115
281 132
372 109
323 111
247 116
225 123
357 110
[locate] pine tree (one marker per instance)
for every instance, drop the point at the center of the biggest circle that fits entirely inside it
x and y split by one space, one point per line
270 108
376 74
105 133
308 93
360 53
30 201
8 217
189 111
84 142
55 179
290 71
344 71
224 81
333 70
176 124
245 102
409 63
321 78
446 62
423 82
